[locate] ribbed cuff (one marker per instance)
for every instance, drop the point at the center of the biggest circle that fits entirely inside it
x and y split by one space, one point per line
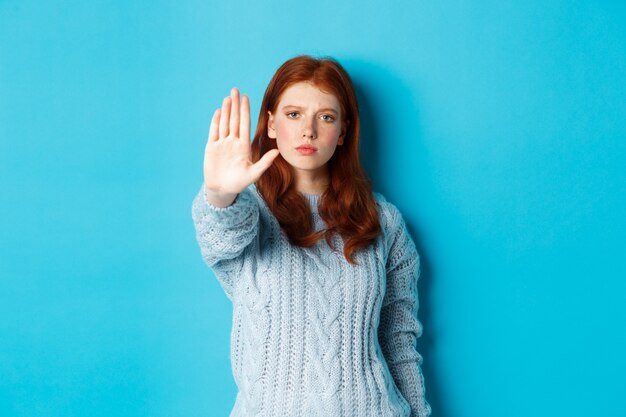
239 209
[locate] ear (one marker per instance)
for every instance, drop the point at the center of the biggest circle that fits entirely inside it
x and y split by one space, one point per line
343 133
271 131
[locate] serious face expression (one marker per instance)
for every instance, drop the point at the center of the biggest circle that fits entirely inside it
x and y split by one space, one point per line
308 126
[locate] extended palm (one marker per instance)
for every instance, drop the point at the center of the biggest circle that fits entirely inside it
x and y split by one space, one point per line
228 166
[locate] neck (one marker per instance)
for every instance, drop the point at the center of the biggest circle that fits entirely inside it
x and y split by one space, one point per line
311 182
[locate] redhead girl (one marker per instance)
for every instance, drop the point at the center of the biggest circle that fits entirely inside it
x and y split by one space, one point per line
321 270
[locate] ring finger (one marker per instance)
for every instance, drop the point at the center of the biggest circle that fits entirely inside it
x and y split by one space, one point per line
225 117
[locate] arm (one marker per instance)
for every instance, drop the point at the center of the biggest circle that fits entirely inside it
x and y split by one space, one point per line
399 327
228 220
224 233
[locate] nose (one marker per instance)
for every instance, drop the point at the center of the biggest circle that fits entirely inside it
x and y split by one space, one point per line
309 130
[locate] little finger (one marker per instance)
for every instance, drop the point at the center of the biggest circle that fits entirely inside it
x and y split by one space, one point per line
213 131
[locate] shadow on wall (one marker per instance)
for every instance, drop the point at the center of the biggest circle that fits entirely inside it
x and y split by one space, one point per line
376 87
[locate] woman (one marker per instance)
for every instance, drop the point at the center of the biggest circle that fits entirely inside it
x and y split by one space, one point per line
321 327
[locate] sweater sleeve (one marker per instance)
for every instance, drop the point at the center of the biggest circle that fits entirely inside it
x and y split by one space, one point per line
224 233
399 327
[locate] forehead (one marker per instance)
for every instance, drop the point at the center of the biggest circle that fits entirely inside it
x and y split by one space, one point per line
305 94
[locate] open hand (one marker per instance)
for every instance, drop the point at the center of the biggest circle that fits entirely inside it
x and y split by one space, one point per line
228 169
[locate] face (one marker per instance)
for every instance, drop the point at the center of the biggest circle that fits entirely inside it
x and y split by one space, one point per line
307 117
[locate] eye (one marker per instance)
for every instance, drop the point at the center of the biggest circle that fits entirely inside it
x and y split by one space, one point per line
292 114
327 118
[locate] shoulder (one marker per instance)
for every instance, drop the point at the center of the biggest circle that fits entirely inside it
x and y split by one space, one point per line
268 219
388 214
398 240
255 194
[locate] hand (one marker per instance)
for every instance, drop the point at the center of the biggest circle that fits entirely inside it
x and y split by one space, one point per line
228 169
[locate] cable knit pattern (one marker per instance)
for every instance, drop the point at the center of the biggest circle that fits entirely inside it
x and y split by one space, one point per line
313 335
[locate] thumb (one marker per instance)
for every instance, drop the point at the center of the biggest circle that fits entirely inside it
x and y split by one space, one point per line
264 163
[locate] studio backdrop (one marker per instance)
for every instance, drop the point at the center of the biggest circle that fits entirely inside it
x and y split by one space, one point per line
497 128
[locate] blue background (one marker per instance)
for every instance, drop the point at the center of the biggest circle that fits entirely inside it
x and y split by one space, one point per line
498 129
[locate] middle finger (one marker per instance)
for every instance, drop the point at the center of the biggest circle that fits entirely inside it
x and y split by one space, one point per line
234 114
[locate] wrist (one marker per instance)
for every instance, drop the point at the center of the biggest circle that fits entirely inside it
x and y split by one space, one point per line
217 199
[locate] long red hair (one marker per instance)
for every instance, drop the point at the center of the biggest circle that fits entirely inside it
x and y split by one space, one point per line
347 205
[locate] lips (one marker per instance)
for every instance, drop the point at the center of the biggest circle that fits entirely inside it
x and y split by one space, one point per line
307 147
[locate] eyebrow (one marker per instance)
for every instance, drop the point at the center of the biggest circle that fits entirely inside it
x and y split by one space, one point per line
326 109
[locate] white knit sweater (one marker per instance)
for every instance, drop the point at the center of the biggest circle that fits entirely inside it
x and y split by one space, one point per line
312 335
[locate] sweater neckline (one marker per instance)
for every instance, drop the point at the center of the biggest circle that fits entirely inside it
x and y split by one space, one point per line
313 200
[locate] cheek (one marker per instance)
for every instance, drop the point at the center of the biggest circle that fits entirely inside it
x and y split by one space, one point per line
282 127
283 134
331 133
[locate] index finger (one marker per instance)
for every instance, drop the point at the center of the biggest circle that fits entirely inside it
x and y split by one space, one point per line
244 122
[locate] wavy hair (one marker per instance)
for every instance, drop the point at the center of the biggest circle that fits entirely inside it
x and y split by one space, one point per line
347 205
